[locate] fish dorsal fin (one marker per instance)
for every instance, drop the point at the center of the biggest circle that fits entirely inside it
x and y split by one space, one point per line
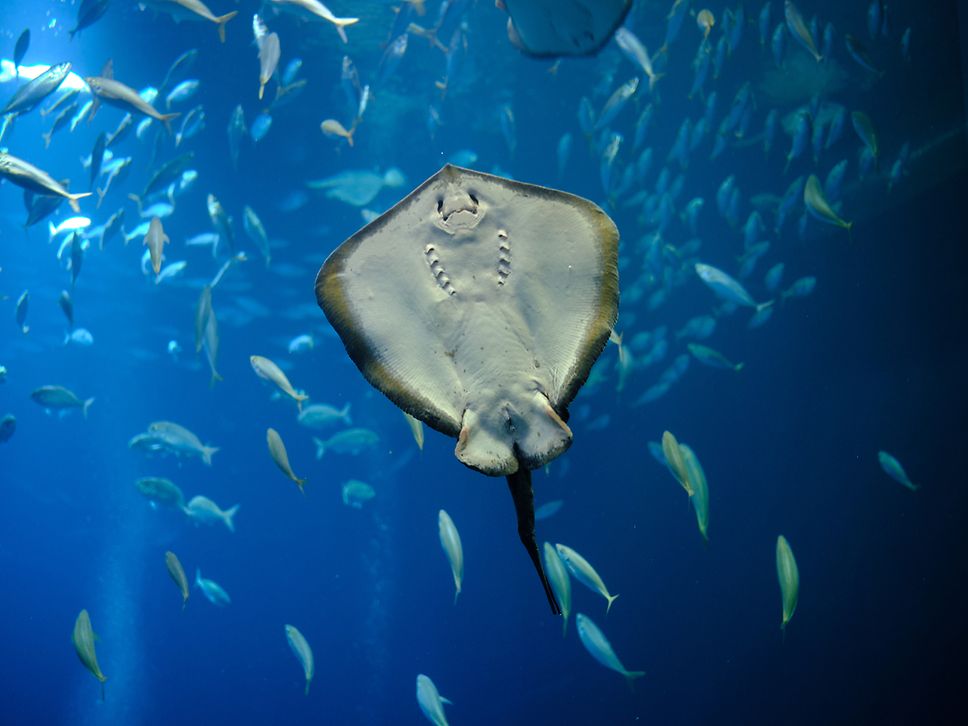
108 70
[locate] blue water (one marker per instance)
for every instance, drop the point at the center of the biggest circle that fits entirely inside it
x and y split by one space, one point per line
872 360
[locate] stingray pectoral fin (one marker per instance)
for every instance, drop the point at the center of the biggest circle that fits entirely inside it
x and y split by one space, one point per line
520 485
540 434
485 447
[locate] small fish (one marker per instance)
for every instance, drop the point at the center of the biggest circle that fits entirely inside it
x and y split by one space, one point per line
204 511
88 13
332 127
302 8
32 94
191 10
789 577
860 54
301 344
616 102
220 221
71 224
23 305
184 91
236 133
277 450
320 416
865 130
892 467
212 591
303 653
430 701
67 306
600 649
155 241
356 493
799 30
582 570
107 90
161 491
548 510
257 232
59 122
637 54
181 441
182 64
819 207
350 441
192 124
203 311
800 288
20 50
81 337
177 574
269 371
269 52
83 638
726 288
557 574
672 453
416 429
27 176
58 398
697 481
8 423
450 542
712 358
260 127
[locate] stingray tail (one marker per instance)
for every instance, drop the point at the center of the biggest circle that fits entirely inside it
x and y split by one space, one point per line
520 485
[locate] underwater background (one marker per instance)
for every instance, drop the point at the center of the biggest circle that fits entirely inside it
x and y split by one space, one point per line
872 360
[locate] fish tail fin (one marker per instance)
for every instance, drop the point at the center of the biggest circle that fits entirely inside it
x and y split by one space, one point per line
100 198
320 447
306 691
86 405
564 625
342 33
456 595
166 119
653 79
262 89
783 632
850 235
209 451
198 577
738 367
221 21
230 517
51 231
611 599
47 137
300 397
216 378
764 306
72 200
137 200
345 415
102 680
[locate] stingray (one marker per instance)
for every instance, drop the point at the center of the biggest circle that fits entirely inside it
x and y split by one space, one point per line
552 28
478 305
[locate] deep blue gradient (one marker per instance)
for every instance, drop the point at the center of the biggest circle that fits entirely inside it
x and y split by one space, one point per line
873 360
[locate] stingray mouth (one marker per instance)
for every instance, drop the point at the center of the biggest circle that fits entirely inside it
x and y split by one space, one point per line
459 210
